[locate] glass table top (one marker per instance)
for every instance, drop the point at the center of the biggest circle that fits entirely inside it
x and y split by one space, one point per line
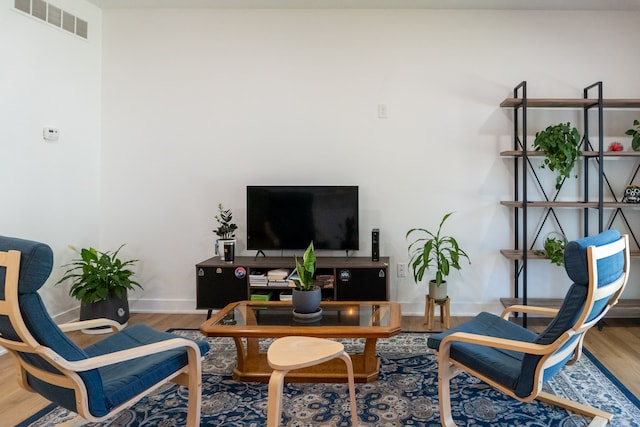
347 314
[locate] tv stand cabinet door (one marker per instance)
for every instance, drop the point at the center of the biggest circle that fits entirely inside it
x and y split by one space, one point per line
362 284
219 286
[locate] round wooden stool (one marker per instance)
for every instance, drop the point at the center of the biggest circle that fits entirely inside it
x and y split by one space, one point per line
430 309
289 353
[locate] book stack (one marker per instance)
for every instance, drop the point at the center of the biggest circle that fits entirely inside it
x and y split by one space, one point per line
278 277
258 278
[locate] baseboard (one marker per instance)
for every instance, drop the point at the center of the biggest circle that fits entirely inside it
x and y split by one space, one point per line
146 305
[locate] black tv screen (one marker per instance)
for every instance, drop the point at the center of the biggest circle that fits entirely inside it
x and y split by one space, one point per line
289 217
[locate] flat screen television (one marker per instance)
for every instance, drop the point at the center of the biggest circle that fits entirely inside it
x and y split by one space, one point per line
289 217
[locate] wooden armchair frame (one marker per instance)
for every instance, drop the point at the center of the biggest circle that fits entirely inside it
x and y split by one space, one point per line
551 353
67 377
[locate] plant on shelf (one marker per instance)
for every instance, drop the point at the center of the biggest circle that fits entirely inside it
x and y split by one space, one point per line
226 228
434 250
100 281
553 249
225 244
635 134
561 146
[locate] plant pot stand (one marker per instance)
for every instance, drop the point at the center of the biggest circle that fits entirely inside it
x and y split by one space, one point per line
430 309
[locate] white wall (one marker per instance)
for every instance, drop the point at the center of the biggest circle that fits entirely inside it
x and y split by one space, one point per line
197 104
50 191
200 103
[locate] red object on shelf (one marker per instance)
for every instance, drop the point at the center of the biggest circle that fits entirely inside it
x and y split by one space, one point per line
615 146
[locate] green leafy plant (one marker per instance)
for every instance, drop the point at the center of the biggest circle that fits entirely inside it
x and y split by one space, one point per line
226 228
434 250
306 270
635 133
561 146
553 249
97 275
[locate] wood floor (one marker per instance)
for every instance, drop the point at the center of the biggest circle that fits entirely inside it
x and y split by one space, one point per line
616 346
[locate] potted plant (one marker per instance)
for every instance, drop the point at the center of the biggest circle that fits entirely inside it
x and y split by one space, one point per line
306 295
434 250
226 233
101 281
553 248
635 134
561 146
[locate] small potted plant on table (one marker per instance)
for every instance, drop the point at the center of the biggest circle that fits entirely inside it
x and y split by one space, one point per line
226 233
306 295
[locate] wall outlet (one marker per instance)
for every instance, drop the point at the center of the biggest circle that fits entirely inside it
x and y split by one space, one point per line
402 269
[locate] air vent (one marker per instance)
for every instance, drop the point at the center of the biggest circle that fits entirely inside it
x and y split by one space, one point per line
55 16
23 6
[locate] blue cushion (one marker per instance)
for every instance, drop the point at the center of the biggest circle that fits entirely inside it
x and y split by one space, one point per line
516 370
106 387
47 333
125 380
576 263
503 366
36 262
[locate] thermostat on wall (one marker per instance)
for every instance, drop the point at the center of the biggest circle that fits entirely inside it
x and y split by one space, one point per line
50 134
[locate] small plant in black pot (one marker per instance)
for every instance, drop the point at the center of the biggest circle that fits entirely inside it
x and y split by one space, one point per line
101 281
225 245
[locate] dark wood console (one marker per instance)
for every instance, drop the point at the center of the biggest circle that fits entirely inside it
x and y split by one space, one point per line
347 279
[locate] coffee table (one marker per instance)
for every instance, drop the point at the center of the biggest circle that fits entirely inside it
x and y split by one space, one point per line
248 321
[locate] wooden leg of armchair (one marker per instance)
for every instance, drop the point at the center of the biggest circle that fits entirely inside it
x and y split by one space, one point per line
445 372
194 404
600 418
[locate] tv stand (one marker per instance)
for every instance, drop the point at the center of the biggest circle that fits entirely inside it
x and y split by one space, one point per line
258 254
349 278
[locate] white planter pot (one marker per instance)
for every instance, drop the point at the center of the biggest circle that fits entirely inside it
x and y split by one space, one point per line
438 293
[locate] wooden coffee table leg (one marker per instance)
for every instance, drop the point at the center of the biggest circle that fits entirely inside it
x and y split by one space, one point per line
370 359
241 353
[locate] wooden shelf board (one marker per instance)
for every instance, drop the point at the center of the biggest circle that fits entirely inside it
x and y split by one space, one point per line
624 308
534 153
550 204
570 103
567 204
516 254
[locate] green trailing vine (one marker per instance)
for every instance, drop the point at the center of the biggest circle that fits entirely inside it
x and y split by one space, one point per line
635 134
553 249
561 145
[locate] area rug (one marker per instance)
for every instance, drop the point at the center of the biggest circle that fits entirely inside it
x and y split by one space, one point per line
405 395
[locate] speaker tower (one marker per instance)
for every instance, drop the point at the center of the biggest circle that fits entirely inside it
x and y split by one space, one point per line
375 244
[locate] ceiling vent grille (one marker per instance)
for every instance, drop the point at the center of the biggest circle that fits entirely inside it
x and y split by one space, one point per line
53 15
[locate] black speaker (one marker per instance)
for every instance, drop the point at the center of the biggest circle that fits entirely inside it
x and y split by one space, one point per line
375 244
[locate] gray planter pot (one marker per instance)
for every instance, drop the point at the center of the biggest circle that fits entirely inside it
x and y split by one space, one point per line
438 293
113 308
305 302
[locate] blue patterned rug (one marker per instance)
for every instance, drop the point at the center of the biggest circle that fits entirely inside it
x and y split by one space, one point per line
405 395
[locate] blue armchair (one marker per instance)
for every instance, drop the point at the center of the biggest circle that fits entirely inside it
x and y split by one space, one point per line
100 380
518 361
